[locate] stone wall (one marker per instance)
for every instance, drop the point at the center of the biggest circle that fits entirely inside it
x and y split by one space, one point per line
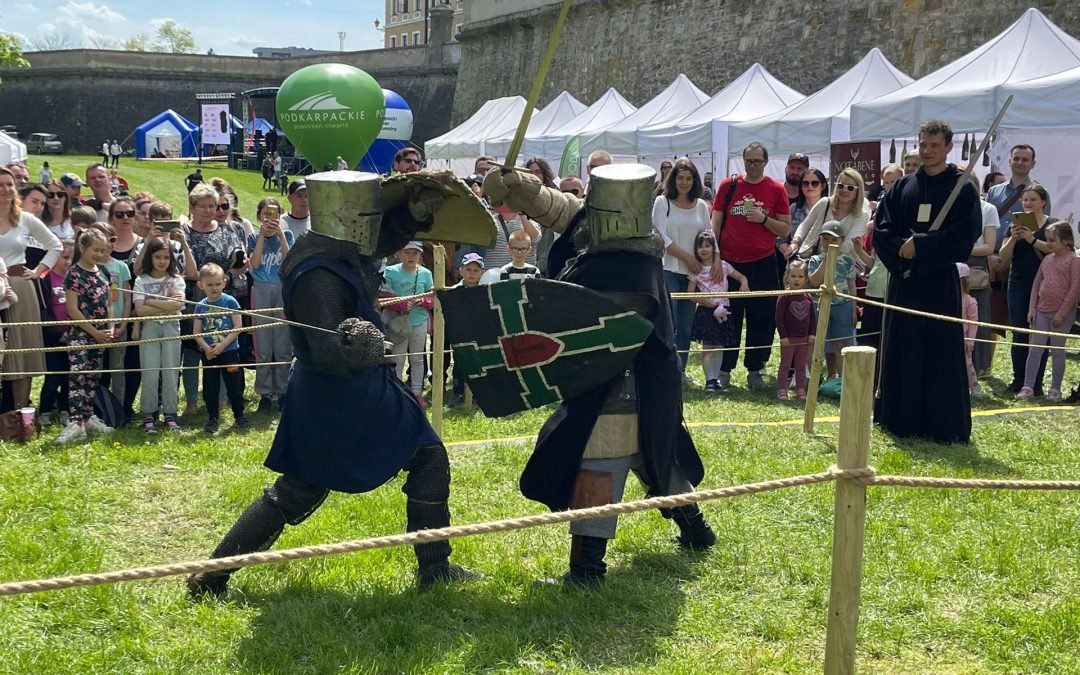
639 46
87 96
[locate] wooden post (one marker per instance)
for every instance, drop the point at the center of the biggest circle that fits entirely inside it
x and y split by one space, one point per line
438 339
824 308
849 516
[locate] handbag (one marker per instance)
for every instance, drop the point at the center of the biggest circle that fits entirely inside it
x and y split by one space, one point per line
395 324
979 276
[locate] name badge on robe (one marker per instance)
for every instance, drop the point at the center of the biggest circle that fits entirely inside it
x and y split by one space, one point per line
924 213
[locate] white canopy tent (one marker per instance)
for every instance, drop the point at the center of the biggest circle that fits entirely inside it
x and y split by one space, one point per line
11 149
555 114
458 148
1033 59
608 109
967 91
753 94
679 99
812 124
1046 114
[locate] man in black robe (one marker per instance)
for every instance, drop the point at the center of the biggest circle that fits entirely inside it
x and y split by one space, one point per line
924 387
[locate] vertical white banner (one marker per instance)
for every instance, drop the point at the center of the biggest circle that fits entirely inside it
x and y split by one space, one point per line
215 123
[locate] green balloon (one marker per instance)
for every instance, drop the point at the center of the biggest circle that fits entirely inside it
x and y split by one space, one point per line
331 109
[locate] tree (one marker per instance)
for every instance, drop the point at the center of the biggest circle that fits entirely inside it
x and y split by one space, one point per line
102 41
140 42
174 38
11 52
52 40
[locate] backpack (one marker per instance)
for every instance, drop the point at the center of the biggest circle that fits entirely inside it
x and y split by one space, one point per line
108 408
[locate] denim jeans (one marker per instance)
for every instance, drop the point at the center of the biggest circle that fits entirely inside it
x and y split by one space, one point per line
682 314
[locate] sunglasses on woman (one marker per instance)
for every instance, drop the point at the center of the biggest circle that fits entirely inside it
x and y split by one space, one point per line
56 195
223 207
123 214
811 183
849 188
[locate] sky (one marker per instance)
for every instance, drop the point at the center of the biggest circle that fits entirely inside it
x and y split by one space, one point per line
234 27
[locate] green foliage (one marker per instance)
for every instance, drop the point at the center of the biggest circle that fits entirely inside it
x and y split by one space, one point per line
170 37
11 52
174 38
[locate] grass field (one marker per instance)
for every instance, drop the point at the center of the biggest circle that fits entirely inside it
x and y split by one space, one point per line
954 581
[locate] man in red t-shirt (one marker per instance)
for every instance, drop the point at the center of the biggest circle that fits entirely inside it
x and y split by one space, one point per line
747 224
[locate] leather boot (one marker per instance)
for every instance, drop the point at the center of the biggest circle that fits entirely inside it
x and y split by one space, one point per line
695 533
256 530
587 566
433 559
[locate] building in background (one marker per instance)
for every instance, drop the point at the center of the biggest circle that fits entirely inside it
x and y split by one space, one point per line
286 52
407 23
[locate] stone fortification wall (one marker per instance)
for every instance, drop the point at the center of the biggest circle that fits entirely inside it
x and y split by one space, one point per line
639 46
87 96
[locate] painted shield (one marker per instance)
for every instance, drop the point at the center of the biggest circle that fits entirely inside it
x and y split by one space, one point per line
528 343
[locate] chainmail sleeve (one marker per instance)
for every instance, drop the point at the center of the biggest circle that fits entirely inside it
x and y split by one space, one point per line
323 299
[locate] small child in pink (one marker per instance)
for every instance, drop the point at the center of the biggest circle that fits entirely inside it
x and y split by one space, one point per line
711 325
970 311
1052 308
796 323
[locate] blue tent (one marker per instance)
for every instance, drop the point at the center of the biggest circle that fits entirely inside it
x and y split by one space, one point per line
260 124
167 133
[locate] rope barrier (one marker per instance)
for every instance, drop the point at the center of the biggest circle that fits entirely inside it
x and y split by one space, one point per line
104 371
126 319
866 476
424 536
955 319
747 294
130 343
242 312
970 483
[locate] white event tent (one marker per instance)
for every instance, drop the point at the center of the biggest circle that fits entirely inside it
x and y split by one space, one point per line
609 108
966 92
11 149
561 110
812 124
754 93
679 99
458 148
1032 58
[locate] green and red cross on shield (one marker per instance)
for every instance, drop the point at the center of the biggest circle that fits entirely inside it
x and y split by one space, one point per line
523 344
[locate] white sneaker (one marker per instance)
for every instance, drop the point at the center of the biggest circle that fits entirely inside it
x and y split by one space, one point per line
72 433
96 426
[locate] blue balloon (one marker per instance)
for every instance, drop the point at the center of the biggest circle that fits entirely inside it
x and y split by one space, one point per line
396 132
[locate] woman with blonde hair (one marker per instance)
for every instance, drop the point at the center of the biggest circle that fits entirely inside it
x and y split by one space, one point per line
847 204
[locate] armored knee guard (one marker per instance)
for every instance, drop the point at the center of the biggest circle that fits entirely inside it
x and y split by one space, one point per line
289 501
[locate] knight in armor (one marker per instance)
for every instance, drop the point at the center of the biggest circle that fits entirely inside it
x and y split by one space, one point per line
634 422
348 424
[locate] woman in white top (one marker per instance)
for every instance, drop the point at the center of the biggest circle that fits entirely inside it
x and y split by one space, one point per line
679 213
847 204
983 354
17 228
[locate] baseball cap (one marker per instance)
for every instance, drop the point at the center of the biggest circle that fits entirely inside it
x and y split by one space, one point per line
834 228
799 157
475 179
296 186
71 180
414 245
472 258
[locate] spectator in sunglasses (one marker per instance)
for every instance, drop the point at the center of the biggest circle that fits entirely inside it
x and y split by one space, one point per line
848 205
572 185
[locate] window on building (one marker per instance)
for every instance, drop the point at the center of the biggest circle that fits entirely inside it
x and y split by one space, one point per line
404 39
393 41
416 38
